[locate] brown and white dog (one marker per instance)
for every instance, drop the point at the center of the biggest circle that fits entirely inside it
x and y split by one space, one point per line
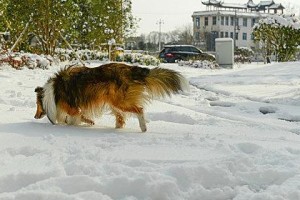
79 94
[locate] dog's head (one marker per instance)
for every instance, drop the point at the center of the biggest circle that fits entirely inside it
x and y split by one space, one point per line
40 112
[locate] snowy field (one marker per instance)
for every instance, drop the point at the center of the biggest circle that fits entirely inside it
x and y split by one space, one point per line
234 136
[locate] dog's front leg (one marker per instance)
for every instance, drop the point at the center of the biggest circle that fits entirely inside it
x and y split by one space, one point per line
120 122
72 115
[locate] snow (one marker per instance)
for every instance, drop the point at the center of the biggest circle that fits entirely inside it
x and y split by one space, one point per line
281 21
234 135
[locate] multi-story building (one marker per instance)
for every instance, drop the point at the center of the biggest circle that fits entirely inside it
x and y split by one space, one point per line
230 20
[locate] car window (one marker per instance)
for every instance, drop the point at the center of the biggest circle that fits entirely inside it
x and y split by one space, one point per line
167 49
193 49
184 49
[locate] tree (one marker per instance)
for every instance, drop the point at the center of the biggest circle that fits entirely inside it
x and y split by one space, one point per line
102 20
186 34
181 35
47 19
82 22
279 35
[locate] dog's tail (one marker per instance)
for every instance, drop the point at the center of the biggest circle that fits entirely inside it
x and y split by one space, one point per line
161 82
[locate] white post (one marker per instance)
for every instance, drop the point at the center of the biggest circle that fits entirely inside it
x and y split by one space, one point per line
160 22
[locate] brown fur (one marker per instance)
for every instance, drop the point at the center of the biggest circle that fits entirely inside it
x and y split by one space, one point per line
81 93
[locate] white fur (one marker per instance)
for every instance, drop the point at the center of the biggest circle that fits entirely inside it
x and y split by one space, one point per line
184 83
49 101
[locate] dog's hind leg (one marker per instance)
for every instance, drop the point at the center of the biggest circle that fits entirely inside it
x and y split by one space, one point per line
140 115
138 111
142 121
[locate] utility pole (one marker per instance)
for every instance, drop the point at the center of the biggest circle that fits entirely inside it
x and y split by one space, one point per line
236 28
160 22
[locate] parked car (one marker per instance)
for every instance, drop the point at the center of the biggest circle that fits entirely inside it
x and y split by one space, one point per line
173 53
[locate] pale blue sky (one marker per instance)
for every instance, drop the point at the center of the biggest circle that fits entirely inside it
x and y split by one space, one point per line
177 13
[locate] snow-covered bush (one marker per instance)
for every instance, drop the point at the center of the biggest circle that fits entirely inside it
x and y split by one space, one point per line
243 54
278 35
205 57
85 54
129 57
19 60
204 64
141 59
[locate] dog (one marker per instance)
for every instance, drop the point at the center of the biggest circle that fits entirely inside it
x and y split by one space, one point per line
76 95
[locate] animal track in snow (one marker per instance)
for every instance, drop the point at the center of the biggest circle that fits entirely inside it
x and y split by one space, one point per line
268 109
248 148
212 98
24 151
290 118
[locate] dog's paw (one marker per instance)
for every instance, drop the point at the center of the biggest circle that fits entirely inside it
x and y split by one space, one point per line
90 122
87 121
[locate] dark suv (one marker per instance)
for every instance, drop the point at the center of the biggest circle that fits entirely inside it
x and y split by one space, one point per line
172 53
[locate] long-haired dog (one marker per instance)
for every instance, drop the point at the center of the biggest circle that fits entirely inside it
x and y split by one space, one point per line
79 94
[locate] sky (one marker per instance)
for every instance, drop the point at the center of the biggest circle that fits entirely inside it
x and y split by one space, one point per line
176 13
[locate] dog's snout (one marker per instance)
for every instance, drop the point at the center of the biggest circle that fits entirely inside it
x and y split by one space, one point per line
37 116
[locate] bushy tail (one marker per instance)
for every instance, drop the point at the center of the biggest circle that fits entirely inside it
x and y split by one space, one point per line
161 82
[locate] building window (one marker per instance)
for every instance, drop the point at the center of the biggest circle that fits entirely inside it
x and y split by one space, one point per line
231 35
222 34
226 21
253 22
214 20
206 21
198 22
231 21
222 20
244 36
245 22
237 21
236 36
226 34
197 36
252 36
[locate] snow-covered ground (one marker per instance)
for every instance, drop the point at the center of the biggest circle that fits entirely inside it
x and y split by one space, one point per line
234 135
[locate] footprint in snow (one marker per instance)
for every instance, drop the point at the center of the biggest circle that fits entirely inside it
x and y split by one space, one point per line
293 151
268 109
212 98
248 148
26 151
290 118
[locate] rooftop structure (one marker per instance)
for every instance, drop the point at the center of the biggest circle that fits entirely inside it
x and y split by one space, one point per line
263 6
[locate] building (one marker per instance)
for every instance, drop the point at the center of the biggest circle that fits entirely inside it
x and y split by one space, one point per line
222 20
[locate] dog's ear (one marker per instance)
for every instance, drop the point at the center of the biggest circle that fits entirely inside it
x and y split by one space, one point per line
38 89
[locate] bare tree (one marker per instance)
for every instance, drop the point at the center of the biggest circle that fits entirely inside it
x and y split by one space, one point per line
186 34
